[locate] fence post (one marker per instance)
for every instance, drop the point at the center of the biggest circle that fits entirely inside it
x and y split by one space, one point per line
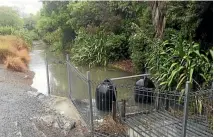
114 113
157 99
90 101
123 109
69 75
186 103
47 73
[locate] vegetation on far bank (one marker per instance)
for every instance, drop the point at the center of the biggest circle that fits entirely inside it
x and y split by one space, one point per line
171 40
15 40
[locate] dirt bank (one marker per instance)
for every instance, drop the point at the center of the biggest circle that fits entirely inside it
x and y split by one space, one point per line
27 113
125 65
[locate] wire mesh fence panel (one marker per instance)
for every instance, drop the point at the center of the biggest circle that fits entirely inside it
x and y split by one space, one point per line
57 73
119 90
147 118
150 112
200 115
78 92
132 106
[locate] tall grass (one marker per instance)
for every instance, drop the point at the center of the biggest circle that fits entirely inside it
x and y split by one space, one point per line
14 53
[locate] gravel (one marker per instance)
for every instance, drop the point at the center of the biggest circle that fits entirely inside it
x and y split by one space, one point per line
24 112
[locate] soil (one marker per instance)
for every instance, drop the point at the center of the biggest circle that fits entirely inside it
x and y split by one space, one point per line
125 65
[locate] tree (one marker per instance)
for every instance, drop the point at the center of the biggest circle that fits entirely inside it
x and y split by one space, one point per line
30 21
10 17
158 17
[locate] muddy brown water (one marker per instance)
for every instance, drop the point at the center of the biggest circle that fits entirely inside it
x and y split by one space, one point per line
59 79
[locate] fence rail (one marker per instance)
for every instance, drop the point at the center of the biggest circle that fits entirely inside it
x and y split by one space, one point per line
112 109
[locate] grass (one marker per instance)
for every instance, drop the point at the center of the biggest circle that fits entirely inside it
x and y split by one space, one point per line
14 53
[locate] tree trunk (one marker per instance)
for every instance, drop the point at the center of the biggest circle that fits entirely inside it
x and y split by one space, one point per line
158 17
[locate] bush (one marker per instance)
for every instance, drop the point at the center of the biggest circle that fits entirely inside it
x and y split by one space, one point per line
176 60
51 37
33 35
96 49
56 46
27 36
139 42
7 30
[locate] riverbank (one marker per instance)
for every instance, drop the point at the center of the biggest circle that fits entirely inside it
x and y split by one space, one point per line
124 65
25 112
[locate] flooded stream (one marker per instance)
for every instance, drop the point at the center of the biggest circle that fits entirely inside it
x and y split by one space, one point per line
59 79
58 74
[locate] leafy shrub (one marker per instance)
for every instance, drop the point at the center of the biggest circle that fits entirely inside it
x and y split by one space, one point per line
26 35
96 49
139 42
56 46
33 35
52 37
10 17
7 30
176 61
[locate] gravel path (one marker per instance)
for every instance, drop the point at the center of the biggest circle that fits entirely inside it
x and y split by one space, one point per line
25 113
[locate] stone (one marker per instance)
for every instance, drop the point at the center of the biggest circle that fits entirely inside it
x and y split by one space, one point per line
33 93
59 122
65 124
19 134
26 77
49 120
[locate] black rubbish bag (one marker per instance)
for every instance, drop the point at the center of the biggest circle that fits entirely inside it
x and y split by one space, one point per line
143 91
105 94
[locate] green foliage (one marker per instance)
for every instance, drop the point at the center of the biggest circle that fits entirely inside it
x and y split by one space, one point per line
52 25
30 21
56 46
12 24
52 37
22 33
7 30
44 25
10 17
138 44
141 40
96 49
34 35
100 32
176 61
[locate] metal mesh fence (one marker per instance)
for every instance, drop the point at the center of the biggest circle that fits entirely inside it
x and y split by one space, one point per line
79 94
57 73
200 113
138 109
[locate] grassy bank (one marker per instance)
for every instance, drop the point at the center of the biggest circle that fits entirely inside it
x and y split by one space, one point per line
14 53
